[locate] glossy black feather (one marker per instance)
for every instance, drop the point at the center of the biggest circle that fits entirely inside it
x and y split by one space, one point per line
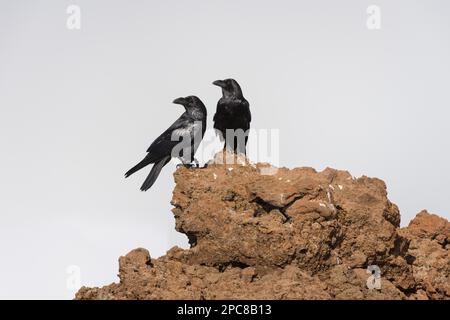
233 112
161 150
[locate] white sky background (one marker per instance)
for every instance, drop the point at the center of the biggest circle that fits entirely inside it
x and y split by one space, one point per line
78 108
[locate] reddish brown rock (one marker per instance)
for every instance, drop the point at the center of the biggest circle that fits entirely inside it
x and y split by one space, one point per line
295 234
430 226
428 253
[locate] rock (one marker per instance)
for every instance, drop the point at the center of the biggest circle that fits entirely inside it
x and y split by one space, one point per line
431 226
428 254
291 234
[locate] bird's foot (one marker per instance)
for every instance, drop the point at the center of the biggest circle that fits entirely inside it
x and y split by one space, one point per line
189 165
197 164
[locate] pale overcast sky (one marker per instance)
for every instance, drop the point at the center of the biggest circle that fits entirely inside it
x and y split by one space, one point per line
80 107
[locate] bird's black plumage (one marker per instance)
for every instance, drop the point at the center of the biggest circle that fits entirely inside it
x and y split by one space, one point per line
180 140
233 113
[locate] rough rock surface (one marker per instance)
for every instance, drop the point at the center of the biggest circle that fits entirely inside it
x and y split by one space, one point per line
293 234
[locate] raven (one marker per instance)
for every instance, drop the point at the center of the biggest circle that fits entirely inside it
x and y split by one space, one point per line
232 115
190 126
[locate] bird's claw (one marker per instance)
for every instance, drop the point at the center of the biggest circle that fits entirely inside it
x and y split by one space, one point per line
187 165
193 164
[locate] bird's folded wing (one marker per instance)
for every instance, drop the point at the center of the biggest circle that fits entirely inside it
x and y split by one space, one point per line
164 144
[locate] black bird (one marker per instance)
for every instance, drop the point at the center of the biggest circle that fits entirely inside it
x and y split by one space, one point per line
180 140
233 112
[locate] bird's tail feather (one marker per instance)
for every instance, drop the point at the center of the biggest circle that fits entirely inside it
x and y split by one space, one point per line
154 173
146 161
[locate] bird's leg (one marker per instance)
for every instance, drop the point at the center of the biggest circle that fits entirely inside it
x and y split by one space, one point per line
193 164
185 163
197 164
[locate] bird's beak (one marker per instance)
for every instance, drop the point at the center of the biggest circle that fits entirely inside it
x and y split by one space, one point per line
219 83
181 101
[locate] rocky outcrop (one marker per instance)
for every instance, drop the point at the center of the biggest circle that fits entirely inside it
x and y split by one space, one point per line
291 234
428 254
